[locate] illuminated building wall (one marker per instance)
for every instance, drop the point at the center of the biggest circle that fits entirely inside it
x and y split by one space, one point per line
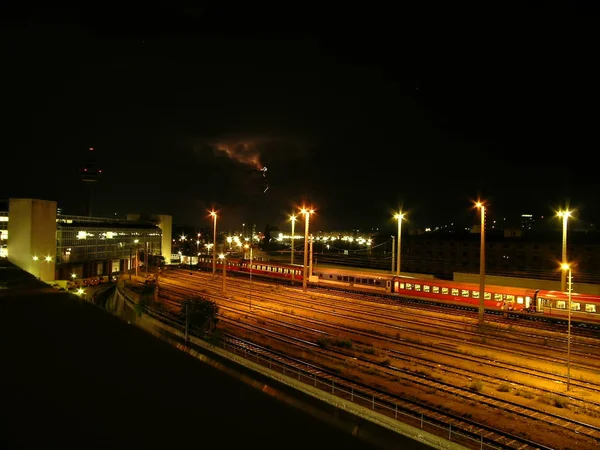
32 231
165 223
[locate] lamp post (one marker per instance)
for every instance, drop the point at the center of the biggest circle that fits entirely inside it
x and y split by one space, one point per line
566 268
399 218
35 259
293 220
214 249
250 247
565 218
48 259
137 254
224 262
393 252
481 208
307 213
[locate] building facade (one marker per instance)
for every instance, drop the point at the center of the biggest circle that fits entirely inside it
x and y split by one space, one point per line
54 246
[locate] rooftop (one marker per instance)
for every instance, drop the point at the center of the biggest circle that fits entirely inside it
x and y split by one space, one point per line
75 376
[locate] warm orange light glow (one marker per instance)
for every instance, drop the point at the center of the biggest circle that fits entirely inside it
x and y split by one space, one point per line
565 266
213 214
399 216
564 213
307 211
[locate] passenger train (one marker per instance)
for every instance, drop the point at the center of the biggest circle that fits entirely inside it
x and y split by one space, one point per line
585 308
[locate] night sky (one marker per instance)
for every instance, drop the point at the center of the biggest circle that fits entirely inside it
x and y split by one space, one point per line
355 111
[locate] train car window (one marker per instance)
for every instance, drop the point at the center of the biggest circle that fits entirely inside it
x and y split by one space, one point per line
401 285
465 293
575 306
454 291
560 304
426 288
498 297
285 271
408 287
475 294
418 287
590 308
520 300
436 289
339 277
445 291
487 296
510 298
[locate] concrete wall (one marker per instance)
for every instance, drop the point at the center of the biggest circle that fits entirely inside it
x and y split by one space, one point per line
529 283
165 223
32 231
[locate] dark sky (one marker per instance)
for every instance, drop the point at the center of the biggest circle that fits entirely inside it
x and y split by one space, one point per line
355 110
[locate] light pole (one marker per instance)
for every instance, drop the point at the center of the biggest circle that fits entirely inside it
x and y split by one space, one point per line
35 259
565 218
393 252
481 208
224 261
137 254
399 217
250 247
48 259
307 213
293 220
214 249
566 268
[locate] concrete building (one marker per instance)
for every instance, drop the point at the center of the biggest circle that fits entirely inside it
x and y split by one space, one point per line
55 246
32 232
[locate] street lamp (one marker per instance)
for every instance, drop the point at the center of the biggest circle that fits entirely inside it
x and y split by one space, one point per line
307 213
293 220
399 217
224 262
481 208
246 246
566 268
35 259
137 255
214 249
565 218
48 259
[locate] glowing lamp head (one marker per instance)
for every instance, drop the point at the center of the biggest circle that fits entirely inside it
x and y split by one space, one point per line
564 214
293 218
213 214
221 256
35 258
399 216
48 258
565 266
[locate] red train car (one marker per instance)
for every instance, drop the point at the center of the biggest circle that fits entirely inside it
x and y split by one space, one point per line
497 297
584 308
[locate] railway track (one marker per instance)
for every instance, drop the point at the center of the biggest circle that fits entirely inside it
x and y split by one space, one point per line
537 351
520 410
463 392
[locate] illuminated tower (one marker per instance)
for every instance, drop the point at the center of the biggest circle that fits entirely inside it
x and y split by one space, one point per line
90 174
